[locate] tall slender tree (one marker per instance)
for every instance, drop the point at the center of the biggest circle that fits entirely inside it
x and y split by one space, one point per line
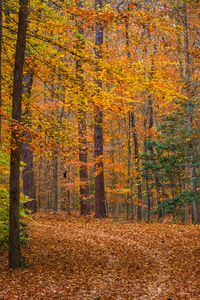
134 135
188 84
100 205
82 126
14 220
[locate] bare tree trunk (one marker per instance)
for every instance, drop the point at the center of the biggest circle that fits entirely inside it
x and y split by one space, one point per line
67 203
56 159
55 181
147 173
83 171
150 123
14 222
130 116
28 178
151 153
39 183
129 167
137 163
100 205
27 153
82 130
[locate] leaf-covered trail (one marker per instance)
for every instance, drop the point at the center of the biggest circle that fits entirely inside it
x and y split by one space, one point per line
76 258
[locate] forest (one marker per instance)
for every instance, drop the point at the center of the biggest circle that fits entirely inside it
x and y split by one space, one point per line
99 149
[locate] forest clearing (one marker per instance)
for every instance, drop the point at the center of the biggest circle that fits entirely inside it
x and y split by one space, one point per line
71 257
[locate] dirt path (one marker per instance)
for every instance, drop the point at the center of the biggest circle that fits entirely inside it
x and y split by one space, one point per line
74 258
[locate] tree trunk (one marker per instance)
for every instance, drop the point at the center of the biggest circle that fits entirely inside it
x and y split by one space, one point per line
100 205
83 171
150 123
134 135
28 178
27 153
196 218
137 163
129 167
55 181
150 154
147 149
14 222
82 129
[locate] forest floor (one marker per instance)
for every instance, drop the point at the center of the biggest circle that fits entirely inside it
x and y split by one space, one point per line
71 257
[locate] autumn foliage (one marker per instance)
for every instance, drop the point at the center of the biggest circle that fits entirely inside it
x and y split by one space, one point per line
99 149
144 80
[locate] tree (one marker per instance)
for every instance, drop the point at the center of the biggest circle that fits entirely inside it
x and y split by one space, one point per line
188 89
15 156
132 134
100 206
27 153
82 127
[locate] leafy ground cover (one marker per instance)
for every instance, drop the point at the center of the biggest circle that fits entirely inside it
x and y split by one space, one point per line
70 257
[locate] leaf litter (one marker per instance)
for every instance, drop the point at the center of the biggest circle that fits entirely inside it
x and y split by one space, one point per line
70 257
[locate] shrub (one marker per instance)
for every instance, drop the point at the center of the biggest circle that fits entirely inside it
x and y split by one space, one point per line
4 205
